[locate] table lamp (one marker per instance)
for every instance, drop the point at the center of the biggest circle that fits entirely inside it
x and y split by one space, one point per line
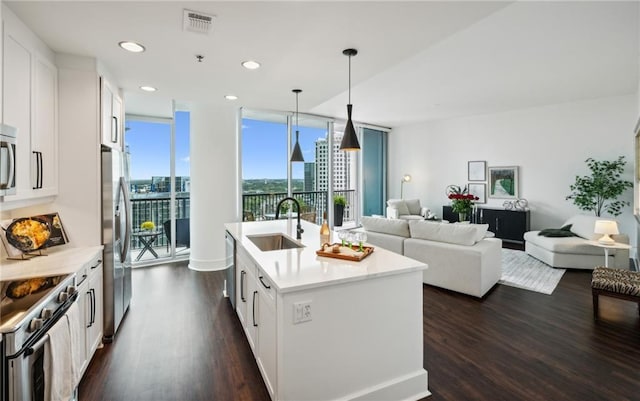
606 227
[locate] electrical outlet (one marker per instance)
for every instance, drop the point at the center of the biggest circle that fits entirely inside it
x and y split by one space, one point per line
301 312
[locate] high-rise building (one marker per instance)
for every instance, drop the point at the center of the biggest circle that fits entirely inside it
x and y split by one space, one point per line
341 168
309 176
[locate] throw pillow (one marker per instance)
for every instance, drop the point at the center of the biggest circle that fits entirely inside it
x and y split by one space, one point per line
460 234
564 231
386 226
413 205
399 205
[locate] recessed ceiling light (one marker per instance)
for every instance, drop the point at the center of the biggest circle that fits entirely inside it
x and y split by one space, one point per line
132 46
231 97
148 88
251 65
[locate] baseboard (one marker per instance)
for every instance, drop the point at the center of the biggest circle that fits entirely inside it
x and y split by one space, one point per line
207 265
410 387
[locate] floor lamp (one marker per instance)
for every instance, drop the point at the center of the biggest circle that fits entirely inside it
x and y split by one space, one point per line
405 178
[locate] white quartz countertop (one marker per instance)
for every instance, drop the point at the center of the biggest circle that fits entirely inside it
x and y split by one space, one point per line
57 262
297 269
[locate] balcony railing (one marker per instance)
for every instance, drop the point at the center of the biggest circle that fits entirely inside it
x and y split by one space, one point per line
156 207
263 206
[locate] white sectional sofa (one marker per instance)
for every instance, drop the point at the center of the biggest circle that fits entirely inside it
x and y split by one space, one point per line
576 252
459 256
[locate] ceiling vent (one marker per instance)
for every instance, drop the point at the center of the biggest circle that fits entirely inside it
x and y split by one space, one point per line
197 22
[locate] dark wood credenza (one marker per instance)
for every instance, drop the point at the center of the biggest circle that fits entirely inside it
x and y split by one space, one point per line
508 225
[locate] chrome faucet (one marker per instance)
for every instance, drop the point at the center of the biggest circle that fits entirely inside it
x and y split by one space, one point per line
299 229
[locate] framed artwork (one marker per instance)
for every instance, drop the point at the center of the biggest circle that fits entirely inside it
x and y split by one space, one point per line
503 182
479 190
477 170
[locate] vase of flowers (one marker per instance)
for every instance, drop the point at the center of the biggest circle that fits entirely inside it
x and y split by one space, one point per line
461 201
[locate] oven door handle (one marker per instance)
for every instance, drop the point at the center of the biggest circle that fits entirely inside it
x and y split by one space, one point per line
39 344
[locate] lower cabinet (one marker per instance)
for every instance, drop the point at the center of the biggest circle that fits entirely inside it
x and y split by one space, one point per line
95 309
256 309
89 281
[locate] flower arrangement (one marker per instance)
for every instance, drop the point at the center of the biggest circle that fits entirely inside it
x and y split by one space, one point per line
461 199
148 225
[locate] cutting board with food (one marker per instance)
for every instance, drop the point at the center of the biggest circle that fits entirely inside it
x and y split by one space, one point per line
345 252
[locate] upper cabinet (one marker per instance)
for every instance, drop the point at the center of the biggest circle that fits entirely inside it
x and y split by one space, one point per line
30 104
111 116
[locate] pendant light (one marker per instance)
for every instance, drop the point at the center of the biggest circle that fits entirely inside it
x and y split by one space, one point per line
349 139
296 156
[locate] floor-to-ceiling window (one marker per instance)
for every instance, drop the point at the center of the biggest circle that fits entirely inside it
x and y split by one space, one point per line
159 173
374 171
326 173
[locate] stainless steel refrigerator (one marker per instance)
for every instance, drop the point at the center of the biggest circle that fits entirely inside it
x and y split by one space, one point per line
116 238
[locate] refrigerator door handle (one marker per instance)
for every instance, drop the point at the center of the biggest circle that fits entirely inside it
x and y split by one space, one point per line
124 250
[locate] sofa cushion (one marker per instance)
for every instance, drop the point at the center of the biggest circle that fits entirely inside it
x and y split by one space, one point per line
413 205
460 234
386 226
583 225
567 245
400 205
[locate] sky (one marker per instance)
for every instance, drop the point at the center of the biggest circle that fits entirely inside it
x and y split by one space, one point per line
264 149
149 147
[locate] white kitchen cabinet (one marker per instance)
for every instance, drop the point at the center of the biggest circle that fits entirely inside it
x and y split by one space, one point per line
95 323
44 137
82 283
111 116
30 103
89 283
247 297
266 332
256 309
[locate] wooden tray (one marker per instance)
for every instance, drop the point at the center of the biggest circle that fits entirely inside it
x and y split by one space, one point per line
367 250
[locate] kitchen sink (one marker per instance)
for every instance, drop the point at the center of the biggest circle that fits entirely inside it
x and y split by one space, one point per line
274 242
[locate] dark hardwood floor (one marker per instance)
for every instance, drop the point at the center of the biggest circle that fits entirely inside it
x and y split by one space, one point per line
182 341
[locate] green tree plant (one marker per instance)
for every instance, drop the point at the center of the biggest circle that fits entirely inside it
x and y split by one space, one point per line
600 191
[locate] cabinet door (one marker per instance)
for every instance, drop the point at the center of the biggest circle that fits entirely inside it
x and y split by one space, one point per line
266 333
84 305
94 329
246 291
251 322
44 138
242 297
17 110
111 116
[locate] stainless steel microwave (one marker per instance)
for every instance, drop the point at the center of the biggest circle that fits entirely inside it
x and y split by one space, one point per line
8 136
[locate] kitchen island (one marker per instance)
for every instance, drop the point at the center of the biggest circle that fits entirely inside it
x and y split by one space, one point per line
330 329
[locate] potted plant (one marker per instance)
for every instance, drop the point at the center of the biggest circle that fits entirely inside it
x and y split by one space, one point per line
339 203
600 191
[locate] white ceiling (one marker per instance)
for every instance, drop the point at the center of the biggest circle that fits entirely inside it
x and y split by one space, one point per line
417 60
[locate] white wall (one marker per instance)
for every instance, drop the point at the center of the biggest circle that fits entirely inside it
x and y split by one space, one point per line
549 144
213 182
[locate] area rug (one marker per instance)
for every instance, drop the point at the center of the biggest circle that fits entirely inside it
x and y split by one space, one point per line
523 271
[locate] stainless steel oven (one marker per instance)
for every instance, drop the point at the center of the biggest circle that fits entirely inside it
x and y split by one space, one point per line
25 322
8 137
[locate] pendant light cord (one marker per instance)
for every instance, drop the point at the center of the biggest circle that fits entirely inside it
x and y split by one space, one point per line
297 111
349 79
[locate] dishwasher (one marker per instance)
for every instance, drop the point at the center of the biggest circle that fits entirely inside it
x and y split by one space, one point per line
230 261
